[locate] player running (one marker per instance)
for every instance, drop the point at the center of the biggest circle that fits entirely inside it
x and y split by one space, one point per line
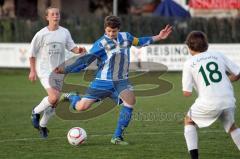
47 52
113 53
206 72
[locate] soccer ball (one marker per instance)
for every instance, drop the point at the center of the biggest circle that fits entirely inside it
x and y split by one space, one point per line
76 136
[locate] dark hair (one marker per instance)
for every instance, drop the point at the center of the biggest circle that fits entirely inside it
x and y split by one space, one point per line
197 41
112 22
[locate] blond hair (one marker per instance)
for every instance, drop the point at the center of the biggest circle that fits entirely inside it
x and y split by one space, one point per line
50 7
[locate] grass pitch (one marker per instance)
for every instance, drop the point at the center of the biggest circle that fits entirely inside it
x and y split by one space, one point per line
156 130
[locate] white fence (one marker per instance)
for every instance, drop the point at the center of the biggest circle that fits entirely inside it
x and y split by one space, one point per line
15 55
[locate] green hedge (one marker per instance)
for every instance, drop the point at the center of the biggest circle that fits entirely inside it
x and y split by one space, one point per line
88 29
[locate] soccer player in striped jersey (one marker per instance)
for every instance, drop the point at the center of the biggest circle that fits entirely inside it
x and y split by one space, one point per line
206 72
113 53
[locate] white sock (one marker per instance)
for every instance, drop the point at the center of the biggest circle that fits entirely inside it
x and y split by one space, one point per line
48 113
191 137
42 105
236 137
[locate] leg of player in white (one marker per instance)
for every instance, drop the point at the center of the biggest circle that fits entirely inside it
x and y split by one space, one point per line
235 134
52 86
190 132
47 101
191 137
227 118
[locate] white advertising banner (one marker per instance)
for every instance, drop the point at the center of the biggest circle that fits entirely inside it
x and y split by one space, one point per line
174 56
15 55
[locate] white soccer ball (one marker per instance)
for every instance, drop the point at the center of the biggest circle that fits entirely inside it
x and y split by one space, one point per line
76 136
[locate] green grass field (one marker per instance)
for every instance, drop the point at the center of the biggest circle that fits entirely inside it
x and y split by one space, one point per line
150 138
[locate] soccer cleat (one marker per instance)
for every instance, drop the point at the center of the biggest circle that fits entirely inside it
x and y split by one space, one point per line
35 120
118 141
65 96
43 132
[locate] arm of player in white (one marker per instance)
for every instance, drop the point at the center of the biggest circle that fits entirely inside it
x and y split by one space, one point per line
32 74
79 50
34 49
232 68
187 81
233 77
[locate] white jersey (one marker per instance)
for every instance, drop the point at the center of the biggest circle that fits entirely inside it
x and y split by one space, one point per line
49 49
206 72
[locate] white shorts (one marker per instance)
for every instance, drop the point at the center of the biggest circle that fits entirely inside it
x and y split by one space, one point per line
53 81
203 118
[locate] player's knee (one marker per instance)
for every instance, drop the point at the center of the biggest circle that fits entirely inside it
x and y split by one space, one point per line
130 101
128 97
232 128
53 99
188 121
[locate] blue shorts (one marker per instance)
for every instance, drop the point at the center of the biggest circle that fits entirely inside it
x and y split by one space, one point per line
100 89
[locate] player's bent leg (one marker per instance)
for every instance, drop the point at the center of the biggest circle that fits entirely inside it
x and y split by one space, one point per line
84 104
123 122
129 100
191 137
48 109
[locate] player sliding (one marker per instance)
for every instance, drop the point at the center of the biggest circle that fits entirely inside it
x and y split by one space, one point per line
113 52
47 52
206 72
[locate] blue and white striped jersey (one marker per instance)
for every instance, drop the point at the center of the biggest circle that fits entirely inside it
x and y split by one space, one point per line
113 56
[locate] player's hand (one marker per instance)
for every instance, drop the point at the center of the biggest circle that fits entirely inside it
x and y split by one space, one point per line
82 50
32 76
164 33
233 77
59 70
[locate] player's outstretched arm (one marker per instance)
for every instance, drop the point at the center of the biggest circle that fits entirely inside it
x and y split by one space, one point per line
163 34
144 41
80 64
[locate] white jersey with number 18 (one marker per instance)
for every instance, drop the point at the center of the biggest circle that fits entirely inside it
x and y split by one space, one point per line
206 72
